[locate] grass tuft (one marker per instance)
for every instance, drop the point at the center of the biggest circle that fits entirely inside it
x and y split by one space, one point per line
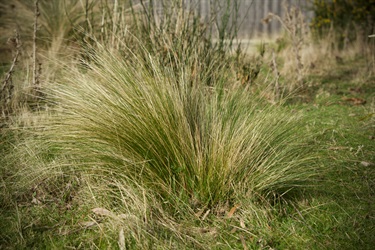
196 143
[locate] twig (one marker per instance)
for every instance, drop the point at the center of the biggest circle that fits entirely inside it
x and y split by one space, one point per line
15 41
7 85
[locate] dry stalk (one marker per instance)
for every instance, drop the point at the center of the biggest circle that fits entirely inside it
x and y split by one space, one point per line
294 21
36 83
277 76
372 48
7 86
114 19
294 25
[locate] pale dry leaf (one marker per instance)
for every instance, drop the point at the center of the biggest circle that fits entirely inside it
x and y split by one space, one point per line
242 223
87 224
366 164
101 211
36 201
126 216
121 239
206 214
231 212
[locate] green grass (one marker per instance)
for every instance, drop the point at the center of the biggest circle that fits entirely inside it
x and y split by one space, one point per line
188 147
79 160
157 145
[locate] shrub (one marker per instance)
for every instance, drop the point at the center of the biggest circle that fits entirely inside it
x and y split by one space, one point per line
345 16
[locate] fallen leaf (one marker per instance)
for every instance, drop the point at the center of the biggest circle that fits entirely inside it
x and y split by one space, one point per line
231 212
366 164
123 216
101 211
355 101
36 201
242 223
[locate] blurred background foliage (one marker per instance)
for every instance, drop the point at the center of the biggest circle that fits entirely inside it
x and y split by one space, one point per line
344 17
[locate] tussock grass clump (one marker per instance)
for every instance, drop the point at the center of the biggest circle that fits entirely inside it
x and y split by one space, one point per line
194 143
157 157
